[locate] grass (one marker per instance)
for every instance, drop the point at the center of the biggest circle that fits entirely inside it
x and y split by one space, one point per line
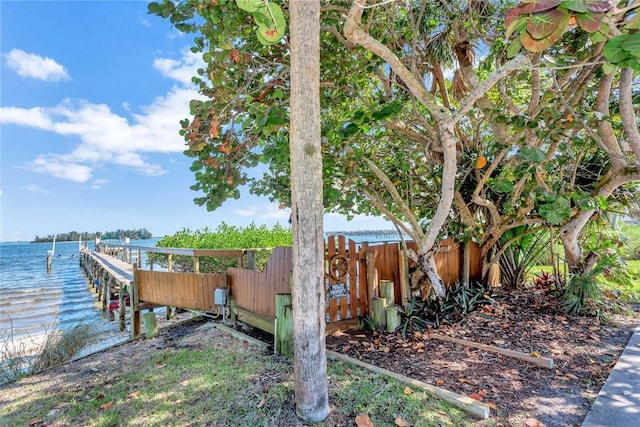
26 356
220 382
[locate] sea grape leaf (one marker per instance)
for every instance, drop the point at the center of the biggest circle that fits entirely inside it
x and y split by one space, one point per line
541 5
541 25
575 5
600 6
613 50
632 44
590 22
250 5
532 154
501 186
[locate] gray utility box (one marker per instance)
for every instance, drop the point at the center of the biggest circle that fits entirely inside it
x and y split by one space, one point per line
220 296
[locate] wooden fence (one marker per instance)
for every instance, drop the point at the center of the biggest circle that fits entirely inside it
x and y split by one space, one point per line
352 272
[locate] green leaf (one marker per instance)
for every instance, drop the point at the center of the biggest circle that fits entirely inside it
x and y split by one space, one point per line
533 45
555 212
516 26
632 44
250 5
532 154
590 22
597 37
634 23
608 68
613 50
514 47
575 5
154 8
501 186
541 25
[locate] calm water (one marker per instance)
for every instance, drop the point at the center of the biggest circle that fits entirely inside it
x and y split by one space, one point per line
33 300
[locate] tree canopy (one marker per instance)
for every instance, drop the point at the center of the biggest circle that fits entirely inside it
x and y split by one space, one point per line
459 118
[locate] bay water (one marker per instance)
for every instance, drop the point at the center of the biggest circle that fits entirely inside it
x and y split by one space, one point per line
34 300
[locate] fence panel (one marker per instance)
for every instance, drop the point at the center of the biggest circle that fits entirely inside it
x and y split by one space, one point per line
185 290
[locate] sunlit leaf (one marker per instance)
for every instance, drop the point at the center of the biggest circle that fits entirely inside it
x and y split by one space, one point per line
541 5
590 22
532 154
501 186
250 5
575 5
541 25
613 50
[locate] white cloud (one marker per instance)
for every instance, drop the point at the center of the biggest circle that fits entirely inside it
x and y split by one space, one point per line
61 166
32 66
34 188
107 137
99 183
181 70
1 193
244 212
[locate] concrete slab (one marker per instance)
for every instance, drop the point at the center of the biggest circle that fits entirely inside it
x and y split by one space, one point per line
618 403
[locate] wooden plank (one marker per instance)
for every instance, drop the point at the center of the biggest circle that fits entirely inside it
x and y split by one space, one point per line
343 302
353 280
371 279
544 362
466 403
405 291
241 336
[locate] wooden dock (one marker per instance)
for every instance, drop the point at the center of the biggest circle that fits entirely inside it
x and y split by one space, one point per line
111 279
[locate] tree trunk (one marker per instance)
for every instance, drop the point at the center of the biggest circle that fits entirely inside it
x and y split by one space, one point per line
310 358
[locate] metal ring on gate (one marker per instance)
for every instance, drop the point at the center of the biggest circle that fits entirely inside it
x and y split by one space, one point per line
339 267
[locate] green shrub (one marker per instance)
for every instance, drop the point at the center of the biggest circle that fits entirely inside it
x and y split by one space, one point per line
262 238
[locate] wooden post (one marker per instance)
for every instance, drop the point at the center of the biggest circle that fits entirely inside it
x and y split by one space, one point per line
169 263
387 291
196 264
134 299
405 290
393 318
379 313
122 308
371 280
251 260
150 324
284 328
466 264
139 258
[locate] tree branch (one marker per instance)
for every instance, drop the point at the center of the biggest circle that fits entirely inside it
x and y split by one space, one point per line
627 115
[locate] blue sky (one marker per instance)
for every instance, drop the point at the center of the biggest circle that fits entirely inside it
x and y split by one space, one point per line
90 99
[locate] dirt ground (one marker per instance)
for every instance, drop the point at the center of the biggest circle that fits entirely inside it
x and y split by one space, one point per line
583 350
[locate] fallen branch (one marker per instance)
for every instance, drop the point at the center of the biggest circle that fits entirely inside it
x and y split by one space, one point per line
544 362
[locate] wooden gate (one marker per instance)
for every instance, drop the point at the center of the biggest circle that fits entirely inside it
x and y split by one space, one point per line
345 281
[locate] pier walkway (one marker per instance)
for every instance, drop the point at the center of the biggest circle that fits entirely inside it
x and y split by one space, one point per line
120 270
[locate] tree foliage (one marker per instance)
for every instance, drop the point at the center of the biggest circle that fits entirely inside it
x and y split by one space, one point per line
536 124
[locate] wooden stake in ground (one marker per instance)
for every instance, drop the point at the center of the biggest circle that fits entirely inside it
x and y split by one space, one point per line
544 362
